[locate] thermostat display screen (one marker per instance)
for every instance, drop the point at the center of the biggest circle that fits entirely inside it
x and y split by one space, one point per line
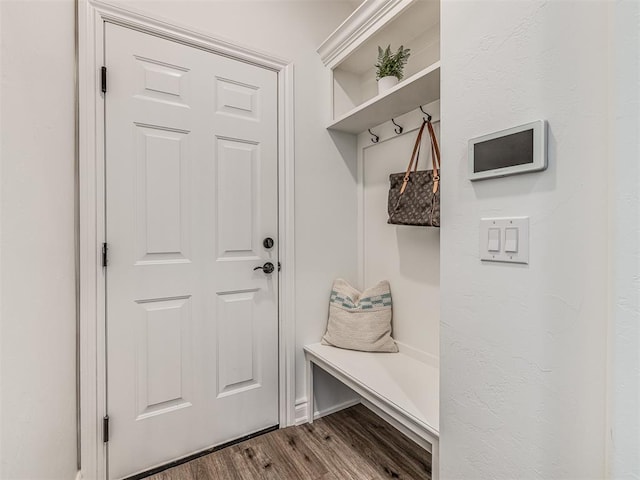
507 151
518 149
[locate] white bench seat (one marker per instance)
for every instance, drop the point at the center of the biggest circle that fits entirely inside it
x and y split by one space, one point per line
401 389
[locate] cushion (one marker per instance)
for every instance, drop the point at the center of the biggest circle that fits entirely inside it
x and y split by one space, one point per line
360 320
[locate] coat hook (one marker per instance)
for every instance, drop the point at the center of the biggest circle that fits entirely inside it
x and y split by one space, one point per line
375 138
399 129
428 119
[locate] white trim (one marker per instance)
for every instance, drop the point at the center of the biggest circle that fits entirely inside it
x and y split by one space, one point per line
360 145
370 16
183 34
92 375
286 215
92 15
301 412
302 408
1 250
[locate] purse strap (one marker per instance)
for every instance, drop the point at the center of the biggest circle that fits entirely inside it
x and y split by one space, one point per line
435 155
414 158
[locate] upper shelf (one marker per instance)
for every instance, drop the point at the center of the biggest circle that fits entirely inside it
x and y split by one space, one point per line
373 23
351 53
419 89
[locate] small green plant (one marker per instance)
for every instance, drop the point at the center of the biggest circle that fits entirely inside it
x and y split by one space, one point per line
391 64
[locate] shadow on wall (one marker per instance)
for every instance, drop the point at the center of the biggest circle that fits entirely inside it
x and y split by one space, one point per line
346 144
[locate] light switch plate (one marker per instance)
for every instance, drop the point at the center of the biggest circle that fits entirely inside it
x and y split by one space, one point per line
521 224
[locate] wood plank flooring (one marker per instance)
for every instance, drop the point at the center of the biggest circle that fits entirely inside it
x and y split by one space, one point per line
353 444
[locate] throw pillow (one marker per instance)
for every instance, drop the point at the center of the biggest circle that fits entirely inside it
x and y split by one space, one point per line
360 320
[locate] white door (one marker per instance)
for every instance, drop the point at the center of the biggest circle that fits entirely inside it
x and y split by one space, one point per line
191 187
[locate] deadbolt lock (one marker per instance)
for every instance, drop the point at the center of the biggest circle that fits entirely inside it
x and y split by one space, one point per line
268 242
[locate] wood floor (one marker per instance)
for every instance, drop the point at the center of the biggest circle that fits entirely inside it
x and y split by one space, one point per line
353 444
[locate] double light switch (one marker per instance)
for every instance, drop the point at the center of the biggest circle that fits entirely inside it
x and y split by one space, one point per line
504 239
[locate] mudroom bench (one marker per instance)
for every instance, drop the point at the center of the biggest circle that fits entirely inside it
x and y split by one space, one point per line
401 389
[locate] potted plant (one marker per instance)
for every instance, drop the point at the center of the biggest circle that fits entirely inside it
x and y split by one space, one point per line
390 66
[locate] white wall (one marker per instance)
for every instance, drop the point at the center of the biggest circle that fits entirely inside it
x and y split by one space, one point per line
523 348
37 306
624 447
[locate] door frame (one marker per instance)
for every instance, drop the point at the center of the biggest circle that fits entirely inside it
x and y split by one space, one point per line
92 15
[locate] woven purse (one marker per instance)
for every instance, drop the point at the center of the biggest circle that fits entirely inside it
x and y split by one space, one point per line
414 196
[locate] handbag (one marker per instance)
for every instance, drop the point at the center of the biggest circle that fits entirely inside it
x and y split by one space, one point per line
414 196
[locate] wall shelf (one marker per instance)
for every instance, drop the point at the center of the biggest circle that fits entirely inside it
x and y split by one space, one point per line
419 89
351 51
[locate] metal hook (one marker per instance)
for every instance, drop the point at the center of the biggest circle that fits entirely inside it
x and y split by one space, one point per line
428 119
375 138
399 129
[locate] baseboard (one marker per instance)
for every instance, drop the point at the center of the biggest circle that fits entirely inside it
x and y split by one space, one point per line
300 414
301 410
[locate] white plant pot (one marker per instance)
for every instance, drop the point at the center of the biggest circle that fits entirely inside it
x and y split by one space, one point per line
385 83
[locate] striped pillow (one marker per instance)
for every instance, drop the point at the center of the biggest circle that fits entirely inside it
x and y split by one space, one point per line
360 320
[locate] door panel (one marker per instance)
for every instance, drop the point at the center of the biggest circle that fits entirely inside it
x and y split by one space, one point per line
237 200
164 376
238 367
191 186
162 187
237 99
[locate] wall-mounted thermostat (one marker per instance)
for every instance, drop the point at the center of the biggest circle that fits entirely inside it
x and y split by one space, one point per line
507 152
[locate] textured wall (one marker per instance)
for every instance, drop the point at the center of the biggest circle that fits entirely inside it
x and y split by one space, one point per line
523 348
625 241
37 312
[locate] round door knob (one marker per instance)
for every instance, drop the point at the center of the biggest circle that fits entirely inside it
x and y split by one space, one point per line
266 268
268 242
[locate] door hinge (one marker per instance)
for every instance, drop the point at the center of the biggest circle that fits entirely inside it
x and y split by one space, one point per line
279 266
105 429
105 251
103 79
